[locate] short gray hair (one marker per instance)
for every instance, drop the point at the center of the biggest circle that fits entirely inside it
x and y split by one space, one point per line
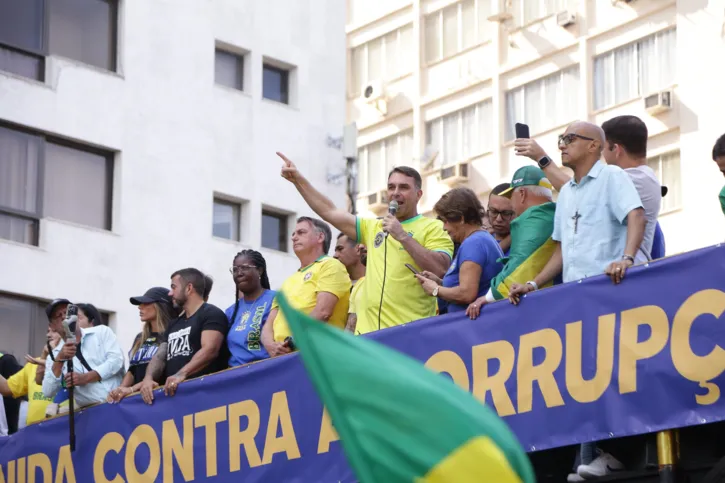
320 227
539 191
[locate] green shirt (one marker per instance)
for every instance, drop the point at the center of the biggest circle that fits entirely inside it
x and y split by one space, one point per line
722 199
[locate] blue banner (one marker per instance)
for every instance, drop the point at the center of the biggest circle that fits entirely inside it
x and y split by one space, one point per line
578 362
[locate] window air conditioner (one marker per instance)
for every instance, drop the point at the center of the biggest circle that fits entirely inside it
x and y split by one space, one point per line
565 18
374 94
500 10
658 102
454 174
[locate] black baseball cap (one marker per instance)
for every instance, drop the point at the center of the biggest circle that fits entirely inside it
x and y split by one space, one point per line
51 306
153 295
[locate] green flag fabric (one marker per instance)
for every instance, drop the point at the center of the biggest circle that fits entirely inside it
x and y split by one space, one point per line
397 420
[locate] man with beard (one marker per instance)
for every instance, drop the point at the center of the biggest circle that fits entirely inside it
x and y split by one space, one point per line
193 344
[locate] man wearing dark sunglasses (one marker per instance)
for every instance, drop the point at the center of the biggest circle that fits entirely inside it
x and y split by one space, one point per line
500 213
599 220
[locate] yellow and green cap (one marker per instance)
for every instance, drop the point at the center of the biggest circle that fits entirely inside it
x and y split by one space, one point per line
527 176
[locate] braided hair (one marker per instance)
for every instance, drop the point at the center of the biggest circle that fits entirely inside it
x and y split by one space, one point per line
258 260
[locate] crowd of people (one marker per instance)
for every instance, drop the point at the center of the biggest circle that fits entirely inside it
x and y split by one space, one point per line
385 272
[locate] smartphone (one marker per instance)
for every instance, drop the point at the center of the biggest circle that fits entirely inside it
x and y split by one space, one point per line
522 130
412 268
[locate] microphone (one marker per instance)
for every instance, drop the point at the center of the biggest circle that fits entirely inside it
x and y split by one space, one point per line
392 209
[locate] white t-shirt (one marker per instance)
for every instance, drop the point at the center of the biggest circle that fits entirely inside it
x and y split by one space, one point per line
3 419
650 193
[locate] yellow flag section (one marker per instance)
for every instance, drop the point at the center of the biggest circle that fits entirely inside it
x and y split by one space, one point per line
397 420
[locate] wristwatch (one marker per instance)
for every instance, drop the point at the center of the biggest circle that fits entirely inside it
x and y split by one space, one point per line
533 284
435 290
544 162
628 257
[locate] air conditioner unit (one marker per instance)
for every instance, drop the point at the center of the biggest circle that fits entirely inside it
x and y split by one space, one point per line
658 102
565 18
454 174
374 94
377 201
500 10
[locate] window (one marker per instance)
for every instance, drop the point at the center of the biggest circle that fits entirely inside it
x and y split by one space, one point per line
274 230
527 11
226 219
544 103
275 84
667 169
635 70
23 325
40 176
83 30
229 69
384 58
462 134
456 28
379 158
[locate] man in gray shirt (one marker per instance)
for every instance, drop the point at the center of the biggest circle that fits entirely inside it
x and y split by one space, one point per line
626 147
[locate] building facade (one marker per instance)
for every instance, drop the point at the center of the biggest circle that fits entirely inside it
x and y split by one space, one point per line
439 84
138 137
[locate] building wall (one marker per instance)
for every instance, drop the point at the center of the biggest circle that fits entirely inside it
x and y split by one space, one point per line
179 139
499 57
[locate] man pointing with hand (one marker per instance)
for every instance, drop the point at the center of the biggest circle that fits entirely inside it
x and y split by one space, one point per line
391 294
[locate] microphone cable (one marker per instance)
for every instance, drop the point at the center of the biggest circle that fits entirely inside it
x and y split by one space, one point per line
392 209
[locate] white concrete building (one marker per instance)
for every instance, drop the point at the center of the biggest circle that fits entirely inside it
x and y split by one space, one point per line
443 78
138 137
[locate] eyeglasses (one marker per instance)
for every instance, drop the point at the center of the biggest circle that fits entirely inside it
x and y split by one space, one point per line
567 139
241 268
505 215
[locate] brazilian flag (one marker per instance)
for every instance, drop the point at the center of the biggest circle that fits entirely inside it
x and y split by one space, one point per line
397 420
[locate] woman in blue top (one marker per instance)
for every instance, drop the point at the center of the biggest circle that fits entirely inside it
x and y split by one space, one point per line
477 260
249 313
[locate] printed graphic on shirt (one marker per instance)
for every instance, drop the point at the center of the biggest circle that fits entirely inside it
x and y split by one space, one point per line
255 331
145 352
178 344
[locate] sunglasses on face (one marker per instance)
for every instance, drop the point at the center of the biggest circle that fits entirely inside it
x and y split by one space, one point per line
567 139
505 215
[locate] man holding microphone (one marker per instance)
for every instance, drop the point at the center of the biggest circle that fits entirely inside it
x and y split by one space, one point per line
392 294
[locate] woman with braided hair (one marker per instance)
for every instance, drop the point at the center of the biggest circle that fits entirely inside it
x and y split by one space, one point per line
250 310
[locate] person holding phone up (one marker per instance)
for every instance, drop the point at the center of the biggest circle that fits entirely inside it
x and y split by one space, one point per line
476 261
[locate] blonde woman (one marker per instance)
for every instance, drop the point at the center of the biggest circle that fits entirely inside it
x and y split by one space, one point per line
156 311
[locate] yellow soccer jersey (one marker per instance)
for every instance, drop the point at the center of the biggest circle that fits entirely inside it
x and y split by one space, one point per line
355 297
23 384
404 299
326 274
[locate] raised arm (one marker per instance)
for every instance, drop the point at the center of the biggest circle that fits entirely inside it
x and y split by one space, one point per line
532 150
320 204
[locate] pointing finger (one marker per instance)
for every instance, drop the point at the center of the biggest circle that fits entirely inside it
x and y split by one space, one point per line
284 158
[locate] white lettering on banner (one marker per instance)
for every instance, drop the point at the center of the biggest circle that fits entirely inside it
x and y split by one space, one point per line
179 343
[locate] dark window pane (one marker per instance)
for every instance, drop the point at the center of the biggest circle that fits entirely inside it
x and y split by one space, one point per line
15 321
77 186
19 63
84 30
274 231
226 220
229 69
19 164
18 229
21 24
275 84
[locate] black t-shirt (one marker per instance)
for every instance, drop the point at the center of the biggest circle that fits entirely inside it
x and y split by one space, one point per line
9 366
139 360
184 340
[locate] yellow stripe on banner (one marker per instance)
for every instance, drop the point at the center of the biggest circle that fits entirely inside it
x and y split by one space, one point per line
479 459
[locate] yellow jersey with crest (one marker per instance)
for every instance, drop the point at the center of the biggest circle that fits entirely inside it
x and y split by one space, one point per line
326 274
403 299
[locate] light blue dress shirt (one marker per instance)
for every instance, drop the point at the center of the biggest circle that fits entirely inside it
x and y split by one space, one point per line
591 220
103 354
